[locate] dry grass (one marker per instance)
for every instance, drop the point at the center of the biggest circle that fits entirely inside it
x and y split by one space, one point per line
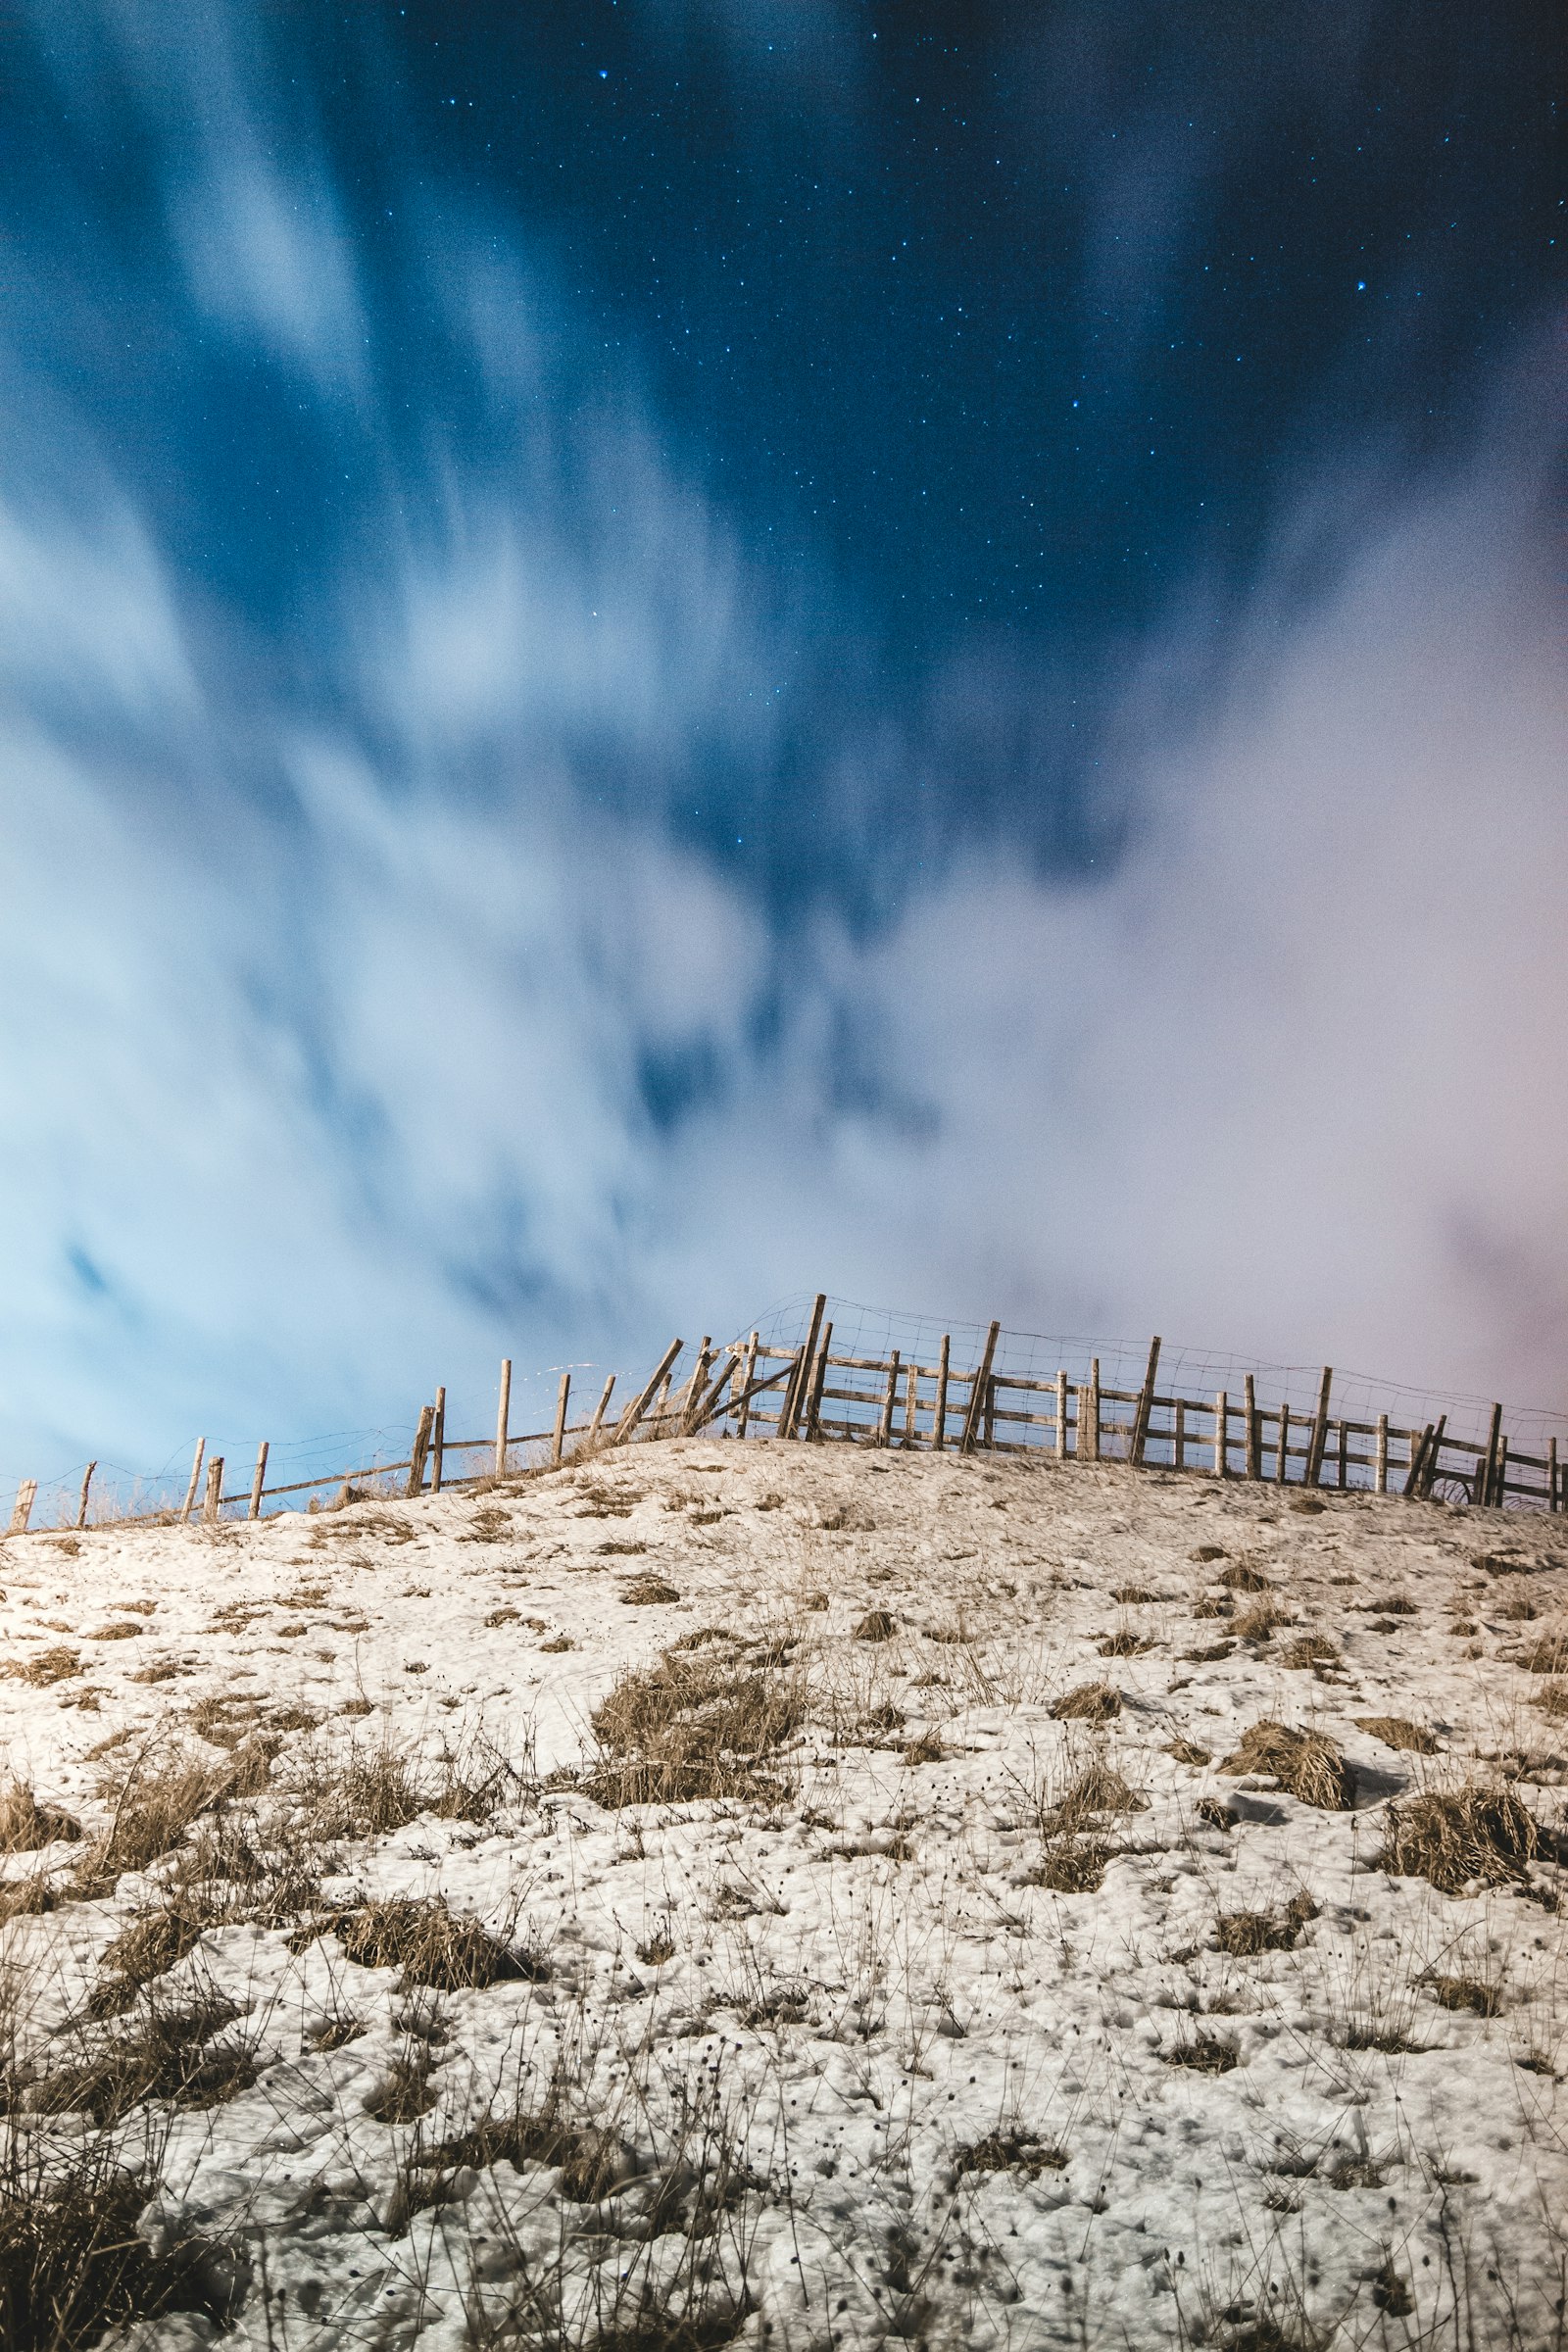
1261 1620
150 1946
1305 1764
429 1945
171 2054
25 1826
1187 1751
72 2265
1088 1702
1479 1835
1204 2053
877 1625
1549 1656
1243 1577
691 1727
1309 1652
156 1801
45 1667
1465 1992
1397 1731
1244 1933
1010 2150
649 1591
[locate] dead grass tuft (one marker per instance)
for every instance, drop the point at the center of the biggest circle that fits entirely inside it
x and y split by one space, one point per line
1243 1577
649 1591
25 1826
1187 1751
1306 1764
1465 1992
591 2159
1010 2150
1309 1652
1397 1731
1261 1620
156 1801
149 1947
1481 1834
431 1947
56 1665
1088 1702
170 2055
1244 1933
1204 2053
72 2265
877 1625
1071 1866
689 1726
1549 1656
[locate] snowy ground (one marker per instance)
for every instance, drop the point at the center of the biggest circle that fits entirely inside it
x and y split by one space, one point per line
937 2024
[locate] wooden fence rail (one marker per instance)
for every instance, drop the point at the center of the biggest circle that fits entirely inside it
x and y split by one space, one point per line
754 1390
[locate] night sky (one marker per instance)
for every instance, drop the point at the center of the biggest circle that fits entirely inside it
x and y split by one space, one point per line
660 653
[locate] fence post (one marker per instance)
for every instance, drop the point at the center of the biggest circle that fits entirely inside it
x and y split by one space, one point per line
814 1416
215 1489
1381 1468
939 1423
743 1415
21 1508
189 1503
598 1421
789 1412
1551 1474
991 1409
1344 1479
1490 1475
86 1481
438 1440
1420 1440
1178 1440
1429 1468
1145 1401
912 1391
977 1393
1089 1415
503 1417
1222 1431
1255 1431
884 1429
421 1447
1061 1416
638 1405
1500 1488
259 1473
558 1436
1282 1463
1321 1431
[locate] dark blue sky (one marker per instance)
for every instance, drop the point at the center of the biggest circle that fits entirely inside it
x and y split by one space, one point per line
580 582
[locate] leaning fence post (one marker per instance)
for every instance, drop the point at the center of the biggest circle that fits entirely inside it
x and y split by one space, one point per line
1320 1429
744 1413
597 1423
189 1503
1254 1430
86 1481
638 1405
559 1435
789 1412
503 1417
259 1473
1146 1403
884 1427
977 1393
939 1423
1429 1468
813 1411
215 1489
1222 1418
1418 1441
421 1447
21 1508
438 1440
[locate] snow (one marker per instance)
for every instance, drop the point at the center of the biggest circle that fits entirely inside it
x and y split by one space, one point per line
865 1978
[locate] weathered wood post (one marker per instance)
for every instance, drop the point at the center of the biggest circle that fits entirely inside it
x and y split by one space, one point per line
558 1434
884 1427
1551 1474
1489 1476
598 1421
1254 1428
1089 1415
977 1393
813 1415
1420 1440
1222 1433
745 1413
420 1448
1179 1433
1282 1462
912 1391
21 1508
1429 1468
1061 1416
438 1440
215 1490
1379 1468
939 1422
638 1405
1145 1406
189 1503
86 1481
257 1477
795 1388
503 1417
1320 1429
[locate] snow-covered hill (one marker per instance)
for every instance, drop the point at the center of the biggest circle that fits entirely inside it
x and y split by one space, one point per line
797 1896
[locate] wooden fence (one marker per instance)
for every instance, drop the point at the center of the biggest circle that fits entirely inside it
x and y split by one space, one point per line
750 1388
